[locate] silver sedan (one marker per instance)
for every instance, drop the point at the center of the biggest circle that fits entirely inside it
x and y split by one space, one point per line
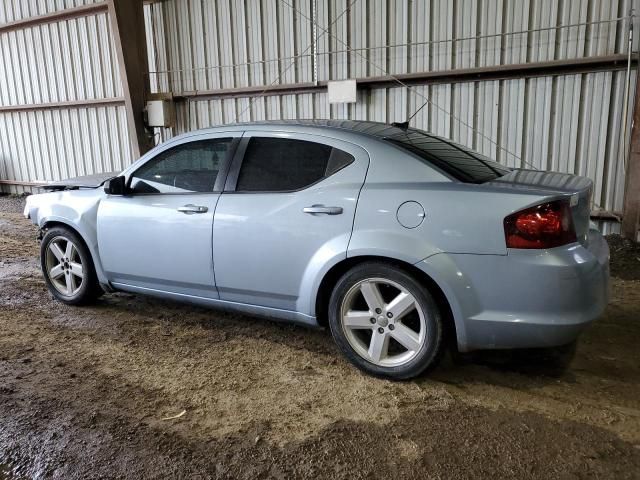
396 239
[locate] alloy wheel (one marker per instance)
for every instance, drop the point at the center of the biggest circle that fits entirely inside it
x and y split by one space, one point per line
64 266
383 322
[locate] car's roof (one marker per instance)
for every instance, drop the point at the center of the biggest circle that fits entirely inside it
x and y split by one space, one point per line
447 156
376 130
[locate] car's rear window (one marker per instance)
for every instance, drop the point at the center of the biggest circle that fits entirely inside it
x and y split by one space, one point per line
456 160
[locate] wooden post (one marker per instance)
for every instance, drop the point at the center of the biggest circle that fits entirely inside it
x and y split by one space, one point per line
631 212
127 27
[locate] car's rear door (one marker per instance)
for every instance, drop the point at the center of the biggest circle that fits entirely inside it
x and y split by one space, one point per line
159 235
287 209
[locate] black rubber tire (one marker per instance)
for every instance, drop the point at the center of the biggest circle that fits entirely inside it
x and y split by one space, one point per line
90 289
429 354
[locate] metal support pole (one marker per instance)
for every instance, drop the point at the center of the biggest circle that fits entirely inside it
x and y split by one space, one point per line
627 86
315 42
631 213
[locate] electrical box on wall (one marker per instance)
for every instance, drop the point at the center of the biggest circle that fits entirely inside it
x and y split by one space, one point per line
343 91
160 113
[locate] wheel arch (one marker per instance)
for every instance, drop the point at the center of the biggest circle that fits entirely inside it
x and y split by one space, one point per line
49 223
336 271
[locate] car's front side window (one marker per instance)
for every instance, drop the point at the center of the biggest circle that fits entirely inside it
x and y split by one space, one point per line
190 167
283 164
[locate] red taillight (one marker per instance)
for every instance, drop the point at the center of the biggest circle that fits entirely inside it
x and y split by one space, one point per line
543 226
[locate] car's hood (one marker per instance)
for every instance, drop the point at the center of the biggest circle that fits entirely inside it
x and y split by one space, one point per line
86 181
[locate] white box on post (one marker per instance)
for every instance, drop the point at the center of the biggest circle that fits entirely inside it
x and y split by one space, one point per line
160 113
343 91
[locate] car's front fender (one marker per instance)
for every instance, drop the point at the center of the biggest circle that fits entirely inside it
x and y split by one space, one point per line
75 209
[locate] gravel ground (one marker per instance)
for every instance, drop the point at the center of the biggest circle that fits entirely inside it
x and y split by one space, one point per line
86 393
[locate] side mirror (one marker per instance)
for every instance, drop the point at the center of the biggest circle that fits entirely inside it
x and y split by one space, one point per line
115 186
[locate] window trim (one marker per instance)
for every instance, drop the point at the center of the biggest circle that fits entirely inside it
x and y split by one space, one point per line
238 161
223 172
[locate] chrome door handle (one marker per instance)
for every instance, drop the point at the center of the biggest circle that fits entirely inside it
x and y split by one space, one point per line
316 209
189 209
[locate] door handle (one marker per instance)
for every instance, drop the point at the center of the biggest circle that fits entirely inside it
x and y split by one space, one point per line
190 209
316 209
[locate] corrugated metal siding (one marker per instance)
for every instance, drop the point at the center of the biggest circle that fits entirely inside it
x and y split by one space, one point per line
69 60
206 45
569 123
57 62
62 143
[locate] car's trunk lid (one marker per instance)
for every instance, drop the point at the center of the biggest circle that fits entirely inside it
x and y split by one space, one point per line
578 188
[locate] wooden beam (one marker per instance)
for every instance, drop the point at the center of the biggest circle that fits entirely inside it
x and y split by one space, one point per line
98 102
58 16
127 27
631 210
504 72
459 75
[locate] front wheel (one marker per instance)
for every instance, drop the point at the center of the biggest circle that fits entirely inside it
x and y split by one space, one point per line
385 321
68 268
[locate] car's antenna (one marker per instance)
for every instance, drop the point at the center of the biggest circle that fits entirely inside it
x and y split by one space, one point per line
405 125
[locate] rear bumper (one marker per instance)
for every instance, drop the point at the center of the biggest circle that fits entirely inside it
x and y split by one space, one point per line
527 298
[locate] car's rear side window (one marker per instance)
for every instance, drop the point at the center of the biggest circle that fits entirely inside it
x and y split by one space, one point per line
458 161
283 164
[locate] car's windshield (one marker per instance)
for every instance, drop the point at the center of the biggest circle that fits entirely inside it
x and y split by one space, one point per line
454 159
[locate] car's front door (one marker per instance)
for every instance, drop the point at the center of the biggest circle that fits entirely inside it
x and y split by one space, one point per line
158 236
288 208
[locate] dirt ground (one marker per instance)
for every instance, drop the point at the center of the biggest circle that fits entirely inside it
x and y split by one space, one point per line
86 393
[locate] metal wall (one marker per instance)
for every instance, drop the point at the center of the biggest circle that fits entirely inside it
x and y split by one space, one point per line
65 61
571 123
207 44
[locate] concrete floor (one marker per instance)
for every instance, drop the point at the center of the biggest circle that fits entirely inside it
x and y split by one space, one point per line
86 393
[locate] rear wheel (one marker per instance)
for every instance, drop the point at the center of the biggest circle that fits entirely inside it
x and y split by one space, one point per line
68 268
385 322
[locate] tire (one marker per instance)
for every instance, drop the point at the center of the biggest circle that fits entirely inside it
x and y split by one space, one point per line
400 340
68 268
